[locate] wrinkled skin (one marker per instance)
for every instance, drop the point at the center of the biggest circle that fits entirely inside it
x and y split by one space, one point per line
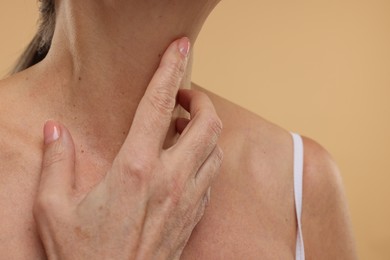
152 198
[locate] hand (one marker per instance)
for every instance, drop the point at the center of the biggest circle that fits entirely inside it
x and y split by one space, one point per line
151 199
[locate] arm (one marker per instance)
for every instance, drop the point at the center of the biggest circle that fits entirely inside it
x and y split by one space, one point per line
327 230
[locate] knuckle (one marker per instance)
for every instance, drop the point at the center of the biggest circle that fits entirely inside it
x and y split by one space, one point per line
162 99
56 155
214 126
216 164
175 68
138 170
219 156
46 203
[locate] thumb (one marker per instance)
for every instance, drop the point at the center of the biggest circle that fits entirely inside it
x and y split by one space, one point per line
57 176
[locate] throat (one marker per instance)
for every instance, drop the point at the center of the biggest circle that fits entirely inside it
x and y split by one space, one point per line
102 57
98 110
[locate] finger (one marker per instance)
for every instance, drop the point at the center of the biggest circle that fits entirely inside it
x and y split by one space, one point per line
154 113
200 137
207 197
181 124
207 173
202 205
57 175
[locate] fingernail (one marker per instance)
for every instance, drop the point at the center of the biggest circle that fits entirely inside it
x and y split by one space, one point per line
208 195
184 46
51 132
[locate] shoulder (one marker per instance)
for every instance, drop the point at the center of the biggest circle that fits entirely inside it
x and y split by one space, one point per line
262 153
321 173
258 142
17 136
326 224
257 172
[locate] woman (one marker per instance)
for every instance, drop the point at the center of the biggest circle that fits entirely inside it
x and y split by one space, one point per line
148 203
101 58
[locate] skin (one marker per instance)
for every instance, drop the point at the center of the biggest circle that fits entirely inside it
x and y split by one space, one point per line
103 56
148 203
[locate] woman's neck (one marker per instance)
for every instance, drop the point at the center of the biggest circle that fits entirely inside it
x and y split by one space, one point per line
104 53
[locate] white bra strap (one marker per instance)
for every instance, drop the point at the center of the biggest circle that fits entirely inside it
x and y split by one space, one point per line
298 188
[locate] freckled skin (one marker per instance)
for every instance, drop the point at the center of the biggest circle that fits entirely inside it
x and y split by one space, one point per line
243 198
81 233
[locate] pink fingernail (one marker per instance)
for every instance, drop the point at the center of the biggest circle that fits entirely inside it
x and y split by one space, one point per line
51 132
184 46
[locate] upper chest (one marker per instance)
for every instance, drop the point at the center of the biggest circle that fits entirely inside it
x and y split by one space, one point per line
249 215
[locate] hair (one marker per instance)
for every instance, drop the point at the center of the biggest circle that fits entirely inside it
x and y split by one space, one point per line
40 45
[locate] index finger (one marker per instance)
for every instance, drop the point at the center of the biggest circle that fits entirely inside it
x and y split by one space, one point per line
154 113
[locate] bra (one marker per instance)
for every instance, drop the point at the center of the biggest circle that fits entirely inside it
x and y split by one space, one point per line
298 188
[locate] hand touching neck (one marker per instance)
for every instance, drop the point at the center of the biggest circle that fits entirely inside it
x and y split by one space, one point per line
104 53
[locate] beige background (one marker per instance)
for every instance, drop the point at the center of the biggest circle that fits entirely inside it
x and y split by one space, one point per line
321 68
